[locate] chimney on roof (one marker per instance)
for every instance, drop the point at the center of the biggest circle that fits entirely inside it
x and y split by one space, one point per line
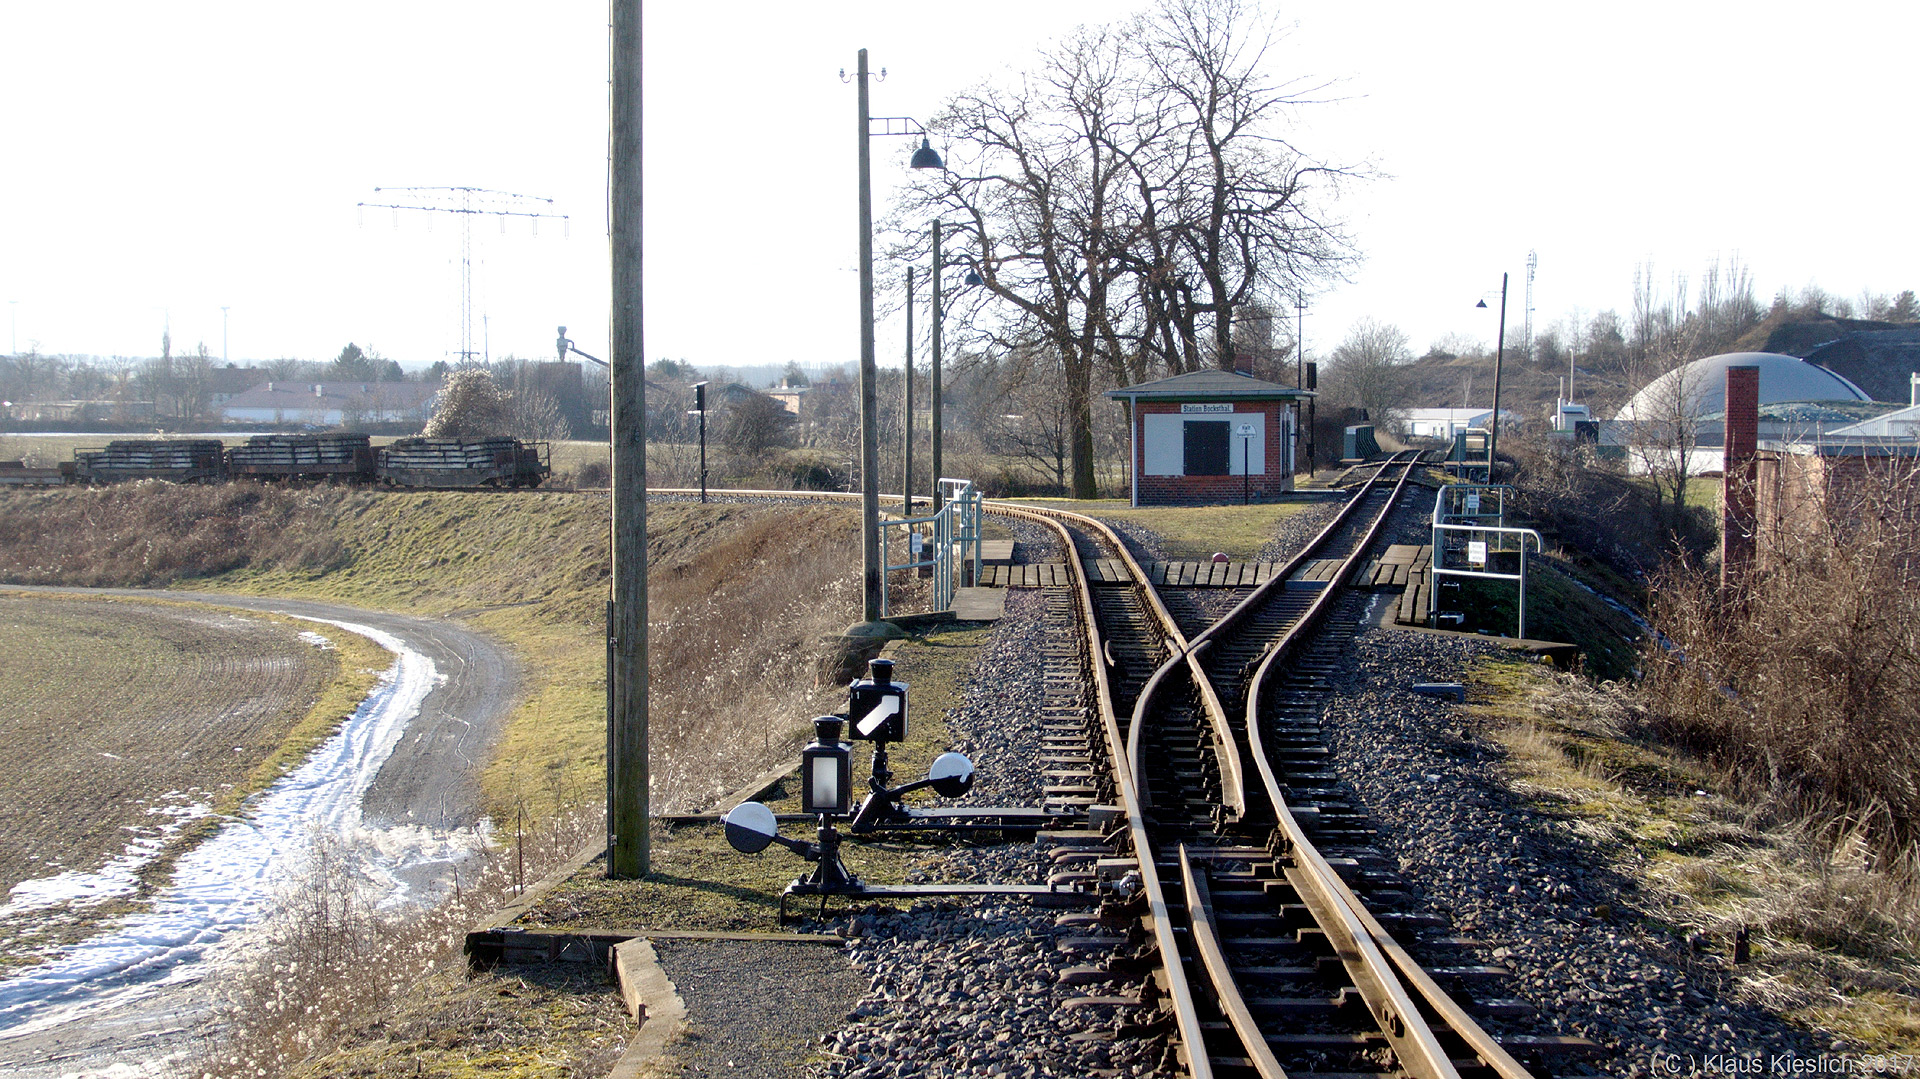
1913 388
269 387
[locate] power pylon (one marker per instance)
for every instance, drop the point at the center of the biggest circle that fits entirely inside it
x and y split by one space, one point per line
1533 263
469 202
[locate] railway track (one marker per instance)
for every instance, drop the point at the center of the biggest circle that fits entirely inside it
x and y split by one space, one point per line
1279 936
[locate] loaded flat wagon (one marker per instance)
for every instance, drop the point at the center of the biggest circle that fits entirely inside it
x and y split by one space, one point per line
463 462
332 456
20 474
180 460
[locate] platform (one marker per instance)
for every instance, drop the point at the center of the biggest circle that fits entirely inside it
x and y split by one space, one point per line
979 604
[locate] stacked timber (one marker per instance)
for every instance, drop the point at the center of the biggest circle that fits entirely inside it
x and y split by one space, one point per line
461 462
303 455
182 460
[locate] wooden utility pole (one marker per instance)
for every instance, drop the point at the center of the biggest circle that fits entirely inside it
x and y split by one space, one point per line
628 855
939 271
869 396
906 441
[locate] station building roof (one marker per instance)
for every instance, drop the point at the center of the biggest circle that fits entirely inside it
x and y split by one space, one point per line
1208 385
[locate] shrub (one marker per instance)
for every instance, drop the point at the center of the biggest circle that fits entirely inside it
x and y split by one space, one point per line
1806 681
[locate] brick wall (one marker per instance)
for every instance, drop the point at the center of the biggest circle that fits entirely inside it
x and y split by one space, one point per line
1178 490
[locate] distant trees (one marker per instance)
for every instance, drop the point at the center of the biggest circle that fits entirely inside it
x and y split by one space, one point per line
1367 370
1126 199
754 423
355 364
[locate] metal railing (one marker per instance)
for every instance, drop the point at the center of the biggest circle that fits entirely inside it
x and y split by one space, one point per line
954 527
1470 536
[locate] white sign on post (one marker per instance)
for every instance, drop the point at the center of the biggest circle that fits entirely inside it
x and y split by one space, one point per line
1246 430
1473 502
1477 552
916 542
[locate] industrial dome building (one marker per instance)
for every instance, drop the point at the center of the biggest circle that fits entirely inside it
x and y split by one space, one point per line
1697 389
1686 408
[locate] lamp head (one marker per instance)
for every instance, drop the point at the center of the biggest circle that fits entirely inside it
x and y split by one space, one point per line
973 278
750 826
926 157
826 778
1482 304
952 775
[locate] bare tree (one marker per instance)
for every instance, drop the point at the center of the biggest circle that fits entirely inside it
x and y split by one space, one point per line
470 404
1663 425
534 415
755 423
1367 370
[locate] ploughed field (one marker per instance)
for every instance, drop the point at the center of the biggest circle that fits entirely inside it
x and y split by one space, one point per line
114 716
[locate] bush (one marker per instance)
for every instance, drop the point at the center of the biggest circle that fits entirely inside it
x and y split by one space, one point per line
1806 681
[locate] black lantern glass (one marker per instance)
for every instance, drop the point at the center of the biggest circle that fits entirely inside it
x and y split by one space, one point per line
826 770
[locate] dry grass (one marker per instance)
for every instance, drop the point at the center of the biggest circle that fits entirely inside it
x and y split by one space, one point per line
1834 928
1804 684
336 987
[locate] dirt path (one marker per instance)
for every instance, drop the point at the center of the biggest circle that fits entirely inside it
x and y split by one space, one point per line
430 779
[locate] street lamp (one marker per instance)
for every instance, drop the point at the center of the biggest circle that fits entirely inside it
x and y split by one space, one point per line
223 333
1499 351
939 320
923 158
700 410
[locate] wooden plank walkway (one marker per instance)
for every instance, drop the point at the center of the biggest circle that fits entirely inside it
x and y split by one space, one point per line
1211 574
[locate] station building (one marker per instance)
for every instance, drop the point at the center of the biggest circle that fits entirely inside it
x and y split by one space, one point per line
1210 436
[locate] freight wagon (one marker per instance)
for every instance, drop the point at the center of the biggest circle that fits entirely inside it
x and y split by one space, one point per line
463 462
343 457
492 462
181 460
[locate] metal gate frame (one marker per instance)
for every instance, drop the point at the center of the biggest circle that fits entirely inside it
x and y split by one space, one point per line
955 527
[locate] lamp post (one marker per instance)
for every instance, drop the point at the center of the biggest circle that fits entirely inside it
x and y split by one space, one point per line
700 405
923 158
223 332
906 435
939 321
1499 352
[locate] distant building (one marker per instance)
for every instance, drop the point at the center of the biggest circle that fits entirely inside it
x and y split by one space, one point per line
332 404
226 383
1444 423
788 395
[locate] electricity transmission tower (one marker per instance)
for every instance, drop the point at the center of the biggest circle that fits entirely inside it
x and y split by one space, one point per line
468 202
1533 263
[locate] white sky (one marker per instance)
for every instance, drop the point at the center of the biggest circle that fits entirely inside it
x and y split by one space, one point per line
164 160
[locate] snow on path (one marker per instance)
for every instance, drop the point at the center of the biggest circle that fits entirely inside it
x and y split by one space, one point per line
229 881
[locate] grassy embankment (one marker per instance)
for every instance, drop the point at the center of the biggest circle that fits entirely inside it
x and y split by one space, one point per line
1831 927
530 569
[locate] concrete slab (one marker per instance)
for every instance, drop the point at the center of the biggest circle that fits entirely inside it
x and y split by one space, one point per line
979 604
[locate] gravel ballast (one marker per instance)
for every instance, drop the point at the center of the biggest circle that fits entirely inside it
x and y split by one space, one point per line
976 989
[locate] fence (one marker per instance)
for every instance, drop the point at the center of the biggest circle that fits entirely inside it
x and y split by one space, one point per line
955 527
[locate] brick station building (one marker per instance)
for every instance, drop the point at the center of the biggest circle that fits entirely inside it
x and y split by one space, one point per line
1210 436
